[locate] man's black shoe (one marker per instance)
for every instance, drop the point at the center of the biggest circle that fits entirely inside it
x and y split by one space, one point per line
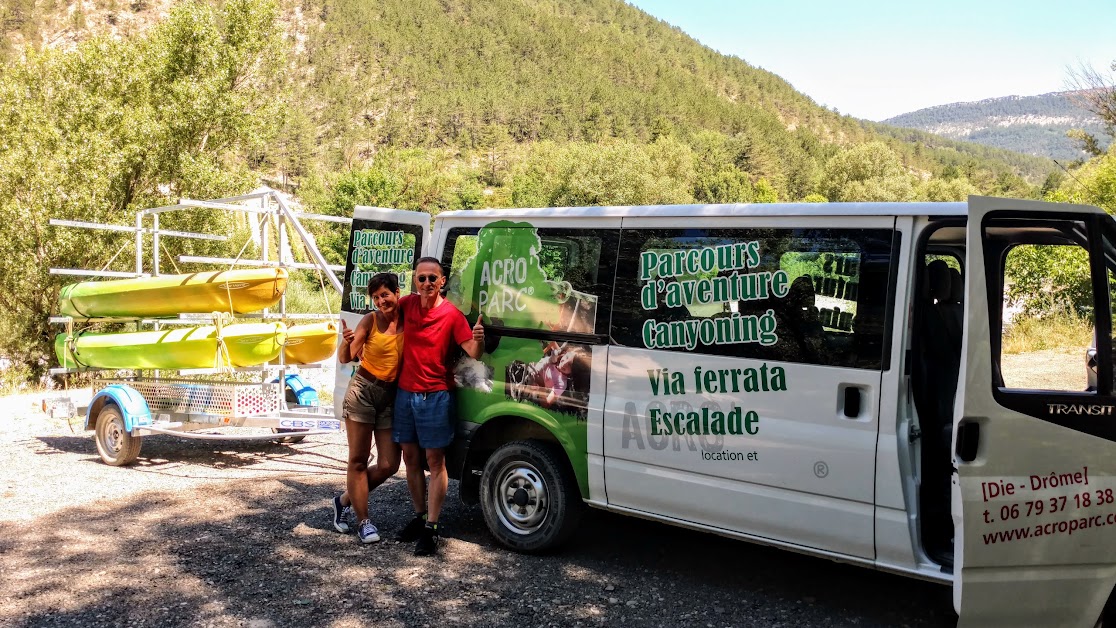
427 544
412 531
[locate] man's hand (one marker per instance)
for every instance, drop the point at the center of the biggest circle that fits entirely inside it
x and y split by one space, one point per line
475 345
478 331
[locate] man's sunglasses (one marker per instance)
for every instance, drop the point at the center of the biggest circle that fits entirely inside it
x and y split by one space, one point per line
427 278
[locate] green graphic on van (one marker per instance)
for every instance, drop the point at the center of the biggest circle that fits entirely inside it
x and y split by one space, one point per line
510 284
506 282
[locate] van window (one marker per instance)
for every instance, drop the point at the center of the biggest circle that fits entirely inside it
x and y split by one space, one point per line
376 247
816 296
1036 328
1070 384
519 276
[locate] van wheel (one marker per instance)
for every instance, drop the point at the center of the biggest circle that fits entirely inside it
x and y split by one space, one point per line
115 444
529 496
287 439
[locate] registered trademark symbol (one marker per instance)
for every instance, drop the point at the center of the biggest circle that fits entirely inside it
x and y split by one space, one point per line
530 290
821 469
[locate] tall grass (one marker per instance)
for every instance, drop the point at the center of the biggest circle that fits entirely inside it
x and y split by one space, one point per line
305 296
1052 330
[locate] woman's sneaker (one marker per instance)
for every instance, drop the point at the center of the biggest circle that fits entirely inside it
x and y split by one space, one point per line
367 532
341 516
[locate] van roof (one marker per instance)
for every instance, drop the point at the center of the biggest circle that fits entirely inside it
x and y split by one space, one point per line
737 209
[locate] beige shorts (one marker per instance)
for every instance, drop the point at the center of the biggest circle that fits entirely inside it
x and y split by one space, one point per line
369 401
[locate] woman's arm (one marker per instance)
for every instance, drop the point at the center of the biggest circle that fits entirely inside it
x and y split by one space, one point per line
352 345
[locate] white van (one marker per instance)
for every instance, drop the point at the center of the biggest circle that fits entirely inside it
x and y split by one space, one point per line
821 377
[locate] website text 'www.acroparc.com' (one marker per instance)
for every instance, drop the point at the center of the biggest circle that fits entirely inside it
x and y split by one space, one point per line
1047 529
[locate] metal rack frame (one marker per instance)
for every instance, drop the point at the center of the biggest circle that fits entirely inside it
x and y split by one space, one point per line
270 206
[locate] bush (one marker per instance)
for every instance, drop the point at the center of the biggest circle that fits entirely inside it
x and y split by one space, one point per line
305 295
1057 330
1049 279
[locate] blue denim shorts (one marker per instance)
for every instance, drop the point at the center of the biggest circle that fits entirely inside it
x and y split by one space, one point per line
423 418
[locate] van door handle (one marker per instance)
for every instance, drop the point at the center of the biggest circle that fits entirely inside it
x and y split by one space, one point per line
852 402
968 440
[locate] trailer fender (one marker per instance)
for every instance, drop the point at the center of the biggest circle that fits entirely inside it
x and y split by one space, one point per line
133 407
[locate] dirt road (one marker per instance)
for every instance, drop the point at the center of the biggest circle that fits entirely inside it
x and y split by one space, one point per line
217 533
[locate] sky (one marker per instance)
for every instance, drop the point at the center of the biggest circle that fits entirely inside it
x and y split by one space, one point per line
875 59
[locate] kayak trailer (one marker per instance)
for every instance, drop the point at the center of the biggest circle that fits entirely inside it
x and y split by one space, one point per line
272 398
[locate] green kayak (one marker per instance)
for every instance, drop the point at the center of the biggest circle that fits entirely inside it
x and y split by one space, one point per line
247 344
240 291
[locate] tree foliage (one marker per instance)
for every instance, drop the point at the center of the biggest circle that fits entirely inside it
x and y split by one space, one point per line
1096 92
116 126
622 173
420 104
867 172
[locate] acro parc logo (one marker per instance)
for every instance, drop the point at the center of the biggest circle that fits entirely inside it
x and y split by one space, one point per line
633 430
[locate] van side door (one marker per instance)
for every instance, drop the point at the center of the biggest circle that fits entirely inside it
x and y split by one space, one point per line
1034 492
744 375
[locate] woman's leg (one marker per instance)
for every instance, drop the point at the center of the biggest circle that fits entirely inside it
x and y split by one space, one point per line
388 455
360 437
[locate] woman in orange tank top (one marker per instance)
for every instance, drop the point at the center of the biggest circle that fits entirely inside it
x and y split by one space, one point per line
369 402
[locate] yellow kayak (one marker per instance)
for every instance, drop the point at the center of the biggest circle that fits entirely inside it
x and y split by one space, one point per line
247 344
307 344
250 290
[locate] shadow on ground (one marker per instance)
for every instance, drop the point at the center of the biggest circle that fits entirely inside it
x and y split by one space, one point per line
261 552
160 451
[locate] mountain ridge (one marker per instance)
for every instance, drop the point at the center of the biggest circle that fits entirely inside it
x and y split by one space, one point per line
1034 125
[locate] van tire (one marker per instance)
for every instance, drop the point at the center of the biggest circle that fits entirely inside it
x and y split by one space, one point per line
529 496
115 444
289 440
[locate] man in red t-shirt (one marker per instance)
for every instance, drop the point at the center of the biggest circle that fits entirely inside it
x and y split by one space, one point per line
423 403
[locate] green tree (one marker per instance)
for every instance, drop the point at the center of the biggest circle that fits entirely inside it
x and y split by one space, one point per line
867 172
1048 279
620 173
115 126
1086 142
937 190
765 192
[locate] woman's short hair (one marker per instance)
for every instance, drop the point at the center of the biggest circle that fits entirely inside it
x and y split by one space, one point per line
383 280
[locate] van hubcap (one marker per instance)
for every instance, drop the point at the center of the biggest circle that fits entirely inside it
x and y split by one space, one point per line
521 497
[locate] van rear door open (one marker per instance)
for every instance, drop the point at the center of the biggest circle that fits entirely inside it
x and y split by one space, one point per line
1033 494
382 240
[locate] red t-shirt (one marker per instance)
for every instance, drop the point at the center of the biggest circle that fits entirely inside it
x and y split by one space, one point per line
427 338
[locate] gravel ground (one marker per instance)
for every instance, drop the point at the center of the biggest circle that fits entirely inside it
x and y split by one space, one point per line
221 533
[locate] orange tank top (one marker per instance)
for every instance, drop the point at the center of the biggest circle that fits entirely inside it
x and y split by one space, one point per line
382 354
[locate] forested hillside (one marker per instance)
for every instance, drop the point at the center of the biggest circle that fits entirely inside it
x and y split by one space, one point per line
1033 125
107 106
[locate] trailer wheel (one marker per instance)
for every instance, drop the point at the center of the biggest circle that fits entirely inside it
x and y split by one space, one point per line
115 444
529 496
